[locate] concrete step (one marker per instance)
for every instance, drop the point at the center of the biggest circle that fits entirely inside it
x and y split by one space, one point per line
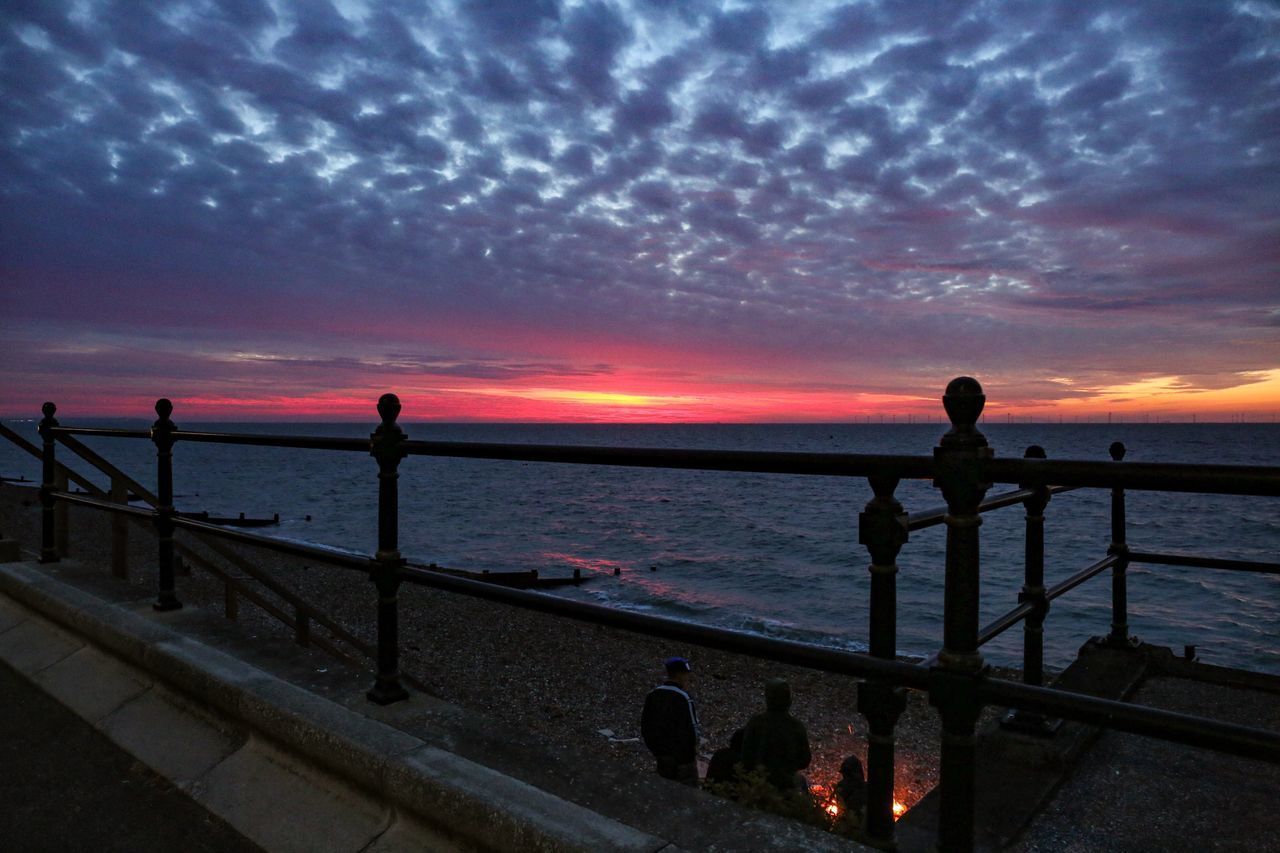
287 769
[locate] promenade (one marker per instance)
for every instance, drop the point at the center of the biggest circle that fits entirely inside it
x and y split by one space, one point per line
69 787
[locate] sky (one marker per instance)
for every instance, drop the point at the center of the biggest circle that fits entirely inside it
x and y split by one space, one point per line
648 210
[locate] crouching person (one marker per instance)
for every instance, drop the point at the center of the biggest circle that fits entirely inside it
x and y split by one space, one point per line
851 790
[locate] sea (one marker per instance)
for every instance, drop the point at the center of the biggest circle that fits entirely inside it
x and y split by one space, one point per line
769 554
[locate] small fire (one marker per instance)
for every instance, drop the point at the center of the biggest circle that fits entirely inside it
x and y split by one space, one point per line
826 796
831 804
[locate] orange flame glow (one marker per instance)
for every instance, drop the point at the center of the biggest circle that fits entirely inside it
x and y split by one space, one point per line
826 796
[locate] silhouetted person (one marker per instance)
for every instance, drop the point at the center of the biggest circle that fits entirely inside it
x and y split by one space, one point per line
669 725
724 761
852 787
777 741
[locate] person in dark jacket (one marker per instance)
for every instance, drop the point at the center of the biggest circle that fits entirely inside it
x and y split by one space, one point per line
669 724
777 741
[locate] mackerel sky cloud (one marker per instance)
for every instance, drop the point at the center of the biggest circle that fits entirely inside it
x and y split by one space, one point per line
644 210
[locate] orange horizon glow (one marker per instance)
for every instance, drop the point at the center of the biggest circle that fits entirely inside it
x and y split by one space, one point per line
617 399
1165 398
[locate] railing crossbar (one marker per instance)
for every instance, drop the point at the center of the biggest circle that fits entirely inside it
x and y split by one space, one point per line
89 455
99 432
78 479
937 515
280 590
1154 558
104 504
1003 623
1136 719
281 615
1006 621
303 442
1065 586
262 578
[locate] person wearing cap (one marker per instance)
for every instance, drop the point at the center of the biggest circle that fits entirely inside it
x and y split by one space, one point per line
777 741
669 724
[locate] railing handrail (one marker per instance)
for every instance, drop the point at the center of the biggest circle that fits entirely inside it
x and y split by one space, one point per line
101 432
1198 478
1246 480
103 504
313 442
302 442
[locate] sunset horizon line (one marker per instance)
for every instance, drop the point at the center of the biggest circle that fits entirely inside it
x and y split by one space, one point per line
1252 396
998 418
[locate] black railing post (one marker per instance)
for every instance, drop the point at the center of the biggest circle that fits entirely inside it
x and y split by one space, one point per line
49 469
386 446
162 434
882 529
1119 636
959 463
1033 592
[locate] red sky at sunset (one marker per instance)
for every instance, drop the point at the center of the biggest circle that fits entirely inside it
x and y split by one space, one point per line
627 210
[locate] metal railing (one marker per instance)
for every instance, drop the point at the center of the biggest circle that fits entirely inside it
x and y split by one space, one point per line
962 466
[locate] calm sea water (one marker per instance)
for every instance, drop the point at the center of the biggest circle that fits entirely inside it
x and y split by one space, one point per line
770 554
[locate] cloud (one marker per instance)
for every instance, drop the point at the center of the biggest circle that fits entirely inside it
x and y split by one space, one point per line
1097 90
595 33
827 182
740 30
511 20
640 112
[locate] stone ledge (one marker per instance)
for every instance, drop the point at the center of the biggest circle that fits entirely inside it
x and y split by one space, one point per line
425 794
